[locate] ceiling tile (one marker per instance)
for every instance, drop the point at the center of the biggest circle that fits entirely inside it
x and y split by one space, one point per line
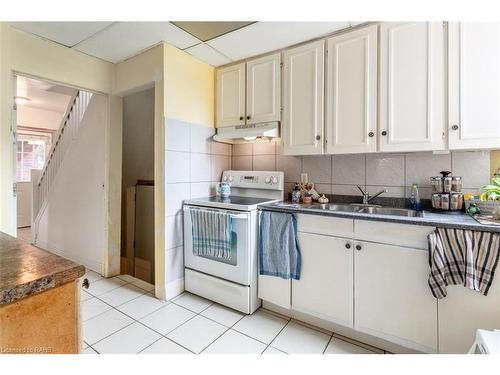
209 30
262 37
208 54
125 39
67 33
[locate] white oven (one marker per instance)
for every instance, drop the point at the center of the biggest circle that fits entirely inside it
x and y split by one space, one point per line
231 282
237 268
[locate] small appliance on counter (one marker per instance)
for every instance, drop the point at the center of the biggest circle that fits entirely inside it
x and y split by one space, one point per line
447 193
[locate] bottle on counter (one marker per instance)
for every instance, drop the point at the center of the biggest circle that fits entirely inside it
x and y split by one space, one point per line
415 202
296 194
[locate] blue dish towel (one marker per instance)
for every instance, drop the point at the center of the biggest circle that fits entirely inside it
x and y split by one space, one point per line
211 231
279 252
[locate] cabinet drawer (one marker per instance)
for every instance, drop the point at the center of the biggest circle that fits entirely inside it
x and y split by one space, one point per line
332 226
392 233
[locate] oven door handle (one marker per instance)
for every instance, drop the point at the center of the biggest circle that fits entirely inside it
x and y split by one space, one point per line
240 216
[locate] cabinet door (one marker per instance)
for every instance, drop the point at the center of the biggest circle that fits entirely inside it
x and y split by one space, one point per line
264 89
411 86
474 85
302 128
392 298
231 95
351 113
462 312
325 288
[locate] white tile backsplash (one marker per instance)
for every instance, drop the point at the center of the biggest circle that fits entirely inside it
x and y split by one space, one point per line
177 166
173 231
177 135
174 264
421 166
242 163
473 166
290 165
349 169
339 174
201 189
201 168
385 169
318 168
264 162
220 163
201 139
175 194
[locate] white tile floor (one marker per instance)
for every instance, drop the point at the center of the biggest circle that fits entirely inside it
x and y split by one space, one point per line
121 315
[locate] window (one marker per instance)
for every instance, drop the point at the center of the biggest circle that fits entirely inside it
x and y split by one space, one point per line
32 149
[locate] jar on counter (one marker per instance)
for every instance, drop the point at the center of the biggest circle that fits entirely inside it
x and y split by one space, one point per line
456 201
437 184
436 201
456 184
445 201
447 183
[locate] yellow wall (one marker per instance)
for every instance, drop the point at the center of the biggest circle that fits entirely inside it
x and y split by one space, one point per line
189 88
495 161
23 53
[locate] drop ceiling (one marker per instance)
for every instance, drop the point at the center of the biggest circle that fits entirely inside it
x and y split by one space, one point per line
216 43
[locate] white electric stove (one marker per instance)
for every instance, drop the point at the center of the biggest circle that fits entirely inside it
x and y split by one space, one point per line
232 282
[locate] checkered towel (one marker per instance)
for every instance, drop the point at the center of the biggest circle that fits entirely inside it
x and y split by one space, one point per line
211 231
462 257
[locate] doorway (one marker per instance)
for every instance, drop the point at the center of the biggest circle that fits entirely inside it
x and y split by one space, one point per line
137 221
40 108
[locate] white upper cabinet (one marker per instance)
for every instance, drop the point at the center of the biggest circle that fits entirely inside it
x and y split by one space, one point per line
474 85
411 86
263 89
351 109
231 96
302 128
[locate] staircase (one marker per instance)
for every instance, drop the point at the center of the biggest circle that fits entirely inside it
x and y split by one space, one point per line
67 133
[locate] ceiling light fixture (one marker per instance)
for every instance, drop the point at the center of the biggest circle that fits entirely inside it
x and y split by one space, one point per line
21 100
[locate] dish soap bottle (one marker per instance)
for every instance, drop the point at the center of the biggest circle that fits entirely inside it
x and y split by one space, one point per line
415 203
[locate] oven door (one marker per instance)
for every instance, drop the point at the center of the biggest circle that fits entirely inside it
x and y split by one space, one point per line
237 269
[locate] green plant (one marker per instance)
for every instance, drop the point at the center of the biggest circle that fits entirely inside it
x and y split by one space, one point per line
493 190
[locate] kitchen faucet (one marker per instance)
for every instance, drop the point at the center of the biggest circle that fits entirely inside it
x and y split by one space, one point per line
366 196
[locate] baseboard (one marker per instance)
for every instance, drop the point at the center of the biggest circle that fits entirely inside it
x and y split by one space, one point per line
88 263
174 288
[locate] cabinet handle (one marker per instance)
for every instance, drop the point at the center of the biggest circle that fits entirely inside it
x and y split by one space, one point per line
348 245
454 127
371 134
85 283
318 137
384 133
248 117
241 118
358 247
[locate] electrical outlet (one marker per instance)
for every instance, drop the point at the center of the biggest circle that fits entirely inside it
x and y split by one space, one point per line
304 178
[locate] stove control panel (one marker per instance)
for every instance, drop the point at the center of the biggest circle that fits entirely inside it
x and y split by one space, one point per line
268 180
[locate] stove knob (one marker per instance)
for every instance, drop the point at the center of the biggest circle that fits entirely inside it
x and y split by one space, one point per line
268 180
274 180
224 178
230 178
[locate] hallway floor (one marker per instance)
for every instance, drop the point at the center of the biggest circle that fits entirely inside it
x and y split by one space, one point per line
121 315
24 234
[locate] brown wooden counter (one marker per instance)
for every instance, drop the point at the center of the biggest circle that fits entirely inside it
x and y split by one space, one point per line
39 300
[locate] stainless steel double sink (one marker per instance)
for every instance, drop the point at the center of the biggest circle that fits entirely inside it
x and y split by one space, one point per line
362 209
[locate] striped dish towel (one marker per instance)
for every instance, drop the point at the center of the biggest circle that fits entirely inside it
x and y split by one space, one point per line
462 257
211 231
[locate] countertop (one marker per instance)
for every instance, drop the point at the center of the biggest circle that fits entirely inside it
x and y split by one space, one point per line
26 270
457 221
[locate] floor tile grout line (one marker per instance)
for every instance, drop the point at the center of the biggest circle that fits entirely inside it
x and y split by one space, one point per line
281 330
161 338
328 343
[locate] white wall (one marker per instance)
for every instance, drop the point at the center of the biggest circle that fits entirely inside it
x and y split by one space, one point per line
72 223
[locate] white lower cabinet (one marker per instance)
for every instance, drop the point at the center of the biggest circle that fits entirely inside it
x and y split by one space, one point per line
392 298
325 287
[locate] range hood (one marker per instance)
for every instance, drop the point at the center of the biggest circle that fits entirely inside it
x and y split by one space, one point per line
246 133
